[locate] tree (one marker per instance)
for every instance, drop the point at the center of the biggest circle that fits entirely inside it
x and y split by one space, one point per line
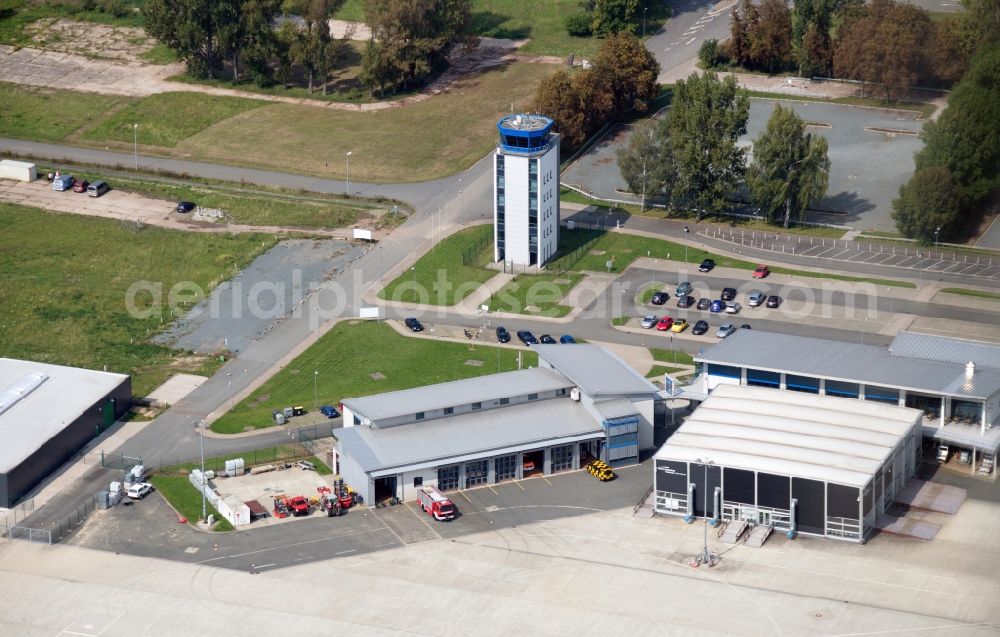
705 120
742 23
927 203
557 98
946 58
770 36
790 168
613 16
647 164
708 53
629 70
815 55
979 24
194 29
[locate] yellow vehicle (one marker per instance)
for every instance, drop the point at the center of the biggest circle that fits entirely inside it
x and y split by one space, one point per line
679 326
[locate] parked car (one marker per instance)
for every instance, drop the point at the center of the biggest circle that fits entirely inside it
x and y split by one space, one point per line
62 183
683 289
733 307
700 328
706 265
665 324
139 490
761 271
685 301
659 298
773 301
679 326
329 411
725 330
756 298
80 185
98 188
414 325
717 306
566 339
746 326
545 339
527 337
649 321
503 335
185 206
728 294
704 303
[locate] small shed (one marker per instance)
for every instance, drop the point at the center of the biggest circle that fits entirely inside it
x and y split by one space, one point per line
18 170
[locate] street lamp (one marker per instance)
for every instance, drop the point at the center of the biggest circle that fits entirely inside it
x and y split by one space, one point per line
201 444
349 173
135 145
315 392
936 231
644 22
705 557
414 288
381 272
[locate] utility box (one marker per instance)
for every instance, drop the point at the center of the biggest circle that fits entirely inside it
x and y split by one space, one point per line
18 170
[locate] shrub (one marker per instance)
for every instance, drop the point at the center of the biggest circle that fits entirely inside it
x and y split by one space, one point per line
578 25
708 53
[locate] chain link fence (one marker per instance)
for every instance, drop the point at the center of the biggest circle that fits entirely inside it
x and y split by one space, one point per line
55 531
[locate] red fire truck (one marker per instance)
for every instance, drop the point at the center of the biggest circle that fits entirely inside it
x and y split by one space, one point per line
435 504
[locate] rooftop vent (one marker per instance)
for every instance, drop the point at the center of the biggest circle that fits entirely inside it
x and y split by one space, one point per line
970 369
21 388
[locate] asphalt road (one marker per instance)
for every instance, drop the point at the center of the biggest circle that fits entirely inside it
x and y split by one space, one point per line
691 23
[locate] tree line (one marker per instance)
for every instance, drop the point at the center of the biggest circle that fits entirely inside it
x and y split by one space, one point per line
622 78
891 45
958 169
691 159
241 39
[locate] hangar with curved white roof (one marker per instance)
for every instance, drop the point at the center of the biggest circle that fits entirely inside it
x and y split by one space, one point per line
802 463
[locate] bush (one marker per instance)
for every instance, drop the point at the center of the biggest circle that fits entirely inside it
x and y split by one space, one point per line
578 25
708 53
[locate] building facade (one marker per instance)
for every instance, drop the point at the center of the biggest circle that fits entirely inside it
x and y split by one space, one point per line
526 191
954 382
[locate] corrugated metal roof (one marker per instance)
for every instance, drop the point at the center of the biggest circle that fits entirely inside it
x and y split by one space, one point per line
595 370
484 431
44 412
946 348
850 362
617 408
837 440
459 392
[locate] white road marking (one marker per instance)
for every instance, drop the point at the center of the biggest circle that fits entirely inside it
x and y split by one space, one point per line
346 552
288 546
690 41
667 49
264 565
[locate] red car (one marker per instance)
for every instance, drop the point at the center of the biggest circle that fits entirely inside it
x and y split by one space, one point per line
665 324
81 185
761 272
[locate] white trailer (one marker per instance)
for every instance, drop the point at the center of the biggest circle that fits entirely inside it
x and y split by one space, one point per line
18 170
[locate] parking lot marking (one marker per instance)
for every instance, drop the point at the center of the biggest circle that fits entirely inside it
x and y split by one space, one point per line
285 547
518 484
265 565
423 520
346 552
465 496
546 479
492 489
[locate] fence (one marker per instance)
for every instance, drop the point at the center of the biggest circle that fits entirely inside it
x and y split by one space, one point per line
302 444
476 255
55 531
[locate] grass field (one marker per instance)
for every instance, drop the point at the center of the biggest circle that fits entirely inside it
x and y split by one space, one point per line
441 278
48 114
182 495
266 455
15 15
535 294
982 294
348 356
661 355
166 119
65 284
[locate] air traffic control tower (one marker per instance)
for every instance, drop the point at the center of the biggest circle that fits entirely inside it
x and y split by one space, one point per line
526 191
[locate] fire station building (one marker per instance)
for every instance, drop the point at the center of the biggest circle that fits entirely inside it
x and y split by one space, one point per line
581 403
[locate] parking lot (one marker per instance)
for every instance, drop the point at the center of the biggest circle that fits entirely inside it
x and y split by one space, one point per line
264 487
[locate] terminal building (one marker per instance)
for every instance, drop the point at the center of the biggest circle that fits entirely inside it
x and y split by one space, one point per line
526 191
953 382
581 403
47 414
794 462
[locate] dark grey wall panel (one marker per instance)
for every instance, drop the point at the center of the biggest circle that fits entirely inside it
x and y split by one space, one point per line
701 490
811 508
842 501
739 485
671 476
773 491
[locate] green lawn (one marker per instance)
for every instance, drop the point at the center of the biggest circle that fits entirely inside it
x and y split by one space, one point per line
49 114
15 15
65 283
166 119
159 54
657 371
441 275
619 321
982 294
675 357
535 294
281 453
358 358
182 495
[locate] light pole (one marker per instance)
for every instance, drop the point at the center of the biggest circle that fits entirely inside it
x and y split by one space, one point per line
135 145
349 173
315 392
936 231
414 288
201 444
644 22
381 271
705 557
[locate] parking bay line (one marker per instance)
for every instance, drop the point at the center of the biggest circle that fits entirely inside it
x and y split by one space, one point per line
284 547
346 552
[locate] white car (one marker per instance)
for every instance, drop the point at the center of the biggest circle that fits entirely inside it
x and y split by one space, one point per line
650 321
725 330
733 307
139 490
756 298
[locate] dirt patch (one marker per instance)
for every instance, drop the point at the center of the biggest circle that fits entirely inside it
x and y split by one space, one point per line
377 376
474 363
91 39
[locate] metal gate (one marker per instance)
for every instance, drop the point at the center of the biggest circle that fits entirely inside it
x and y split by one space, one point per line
476 473
506 467
448 478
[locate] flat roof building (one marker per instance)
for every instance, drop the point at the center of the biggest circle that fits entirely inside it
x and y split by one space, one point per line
489 429
47 414
798 463
954 382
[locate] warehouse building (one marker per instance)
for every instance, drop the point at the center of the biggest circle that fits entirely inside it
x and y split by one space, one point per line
47 414
954 382
581 403
799 463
